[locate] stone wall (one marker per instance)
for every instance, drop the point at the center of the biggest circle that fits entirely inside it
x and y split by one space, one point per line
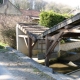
69 46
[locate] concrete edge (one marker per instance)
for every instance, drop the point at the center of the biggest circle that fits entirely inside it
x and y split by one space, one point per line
73 71
44 69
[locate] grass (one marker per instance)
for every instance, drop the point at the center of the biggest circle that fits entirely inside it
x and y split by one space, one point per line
36 70
43 74
2 45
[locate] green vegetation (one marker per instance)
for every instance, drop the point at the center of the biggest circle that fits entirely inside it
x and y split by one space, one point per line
2 45
36 70
50 18
9 37
42 74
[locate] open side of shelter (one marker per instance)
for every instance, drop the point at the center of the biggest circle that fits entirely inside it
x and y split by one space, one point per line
31 34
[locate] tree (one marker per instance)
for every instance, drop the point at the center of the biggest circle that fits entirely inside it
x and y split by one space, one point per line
59 8
30 4
23 4
40 5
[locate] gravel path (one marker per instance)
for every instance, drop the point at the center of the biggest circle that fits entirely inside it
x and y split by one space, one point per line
19 69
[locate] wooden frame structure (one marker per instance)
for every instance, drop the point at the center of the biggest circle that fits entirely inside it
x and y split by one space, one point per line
67 28
27 34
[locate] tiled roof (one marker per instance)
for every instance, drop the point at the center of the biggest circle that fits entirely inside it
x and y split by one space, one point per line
32 13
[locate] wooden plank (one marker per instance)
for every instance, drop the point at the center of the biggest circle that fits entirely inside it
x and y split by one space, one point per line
38 31
37 27
23 36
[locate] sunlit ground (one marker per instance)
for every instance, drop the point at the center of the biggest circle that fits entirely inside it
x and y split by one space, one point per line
63 68
39 61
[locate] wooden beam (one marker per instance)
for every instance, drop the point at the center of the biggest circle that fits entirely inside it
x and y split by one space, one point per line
30 47
71 34
47 46
23 36
26 41
72 31
34 44
58 38
55 42
32 36
47 43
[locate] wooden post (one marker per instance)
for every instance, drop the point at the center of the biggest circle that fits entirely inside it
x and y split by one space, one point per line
47 61
30 47
55 42
47 56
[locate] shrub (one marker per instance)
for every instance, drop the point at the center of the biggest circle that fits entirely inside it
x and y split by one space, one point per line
9 36
49 19
7 28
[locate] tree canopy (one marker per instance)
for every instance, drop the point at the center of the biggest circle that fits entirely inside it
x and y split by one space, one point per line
40 5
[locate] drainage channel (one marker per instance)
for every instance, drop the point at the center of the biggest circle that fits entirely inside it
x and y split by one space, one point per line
58 67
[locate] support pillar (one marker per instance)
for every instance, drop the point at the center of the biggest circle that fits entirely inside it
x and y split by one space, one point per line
21 46
47 61
47 56
30 47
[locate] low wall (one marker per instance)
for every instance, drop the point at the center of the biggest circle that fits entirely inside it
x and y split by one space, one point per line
69 46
